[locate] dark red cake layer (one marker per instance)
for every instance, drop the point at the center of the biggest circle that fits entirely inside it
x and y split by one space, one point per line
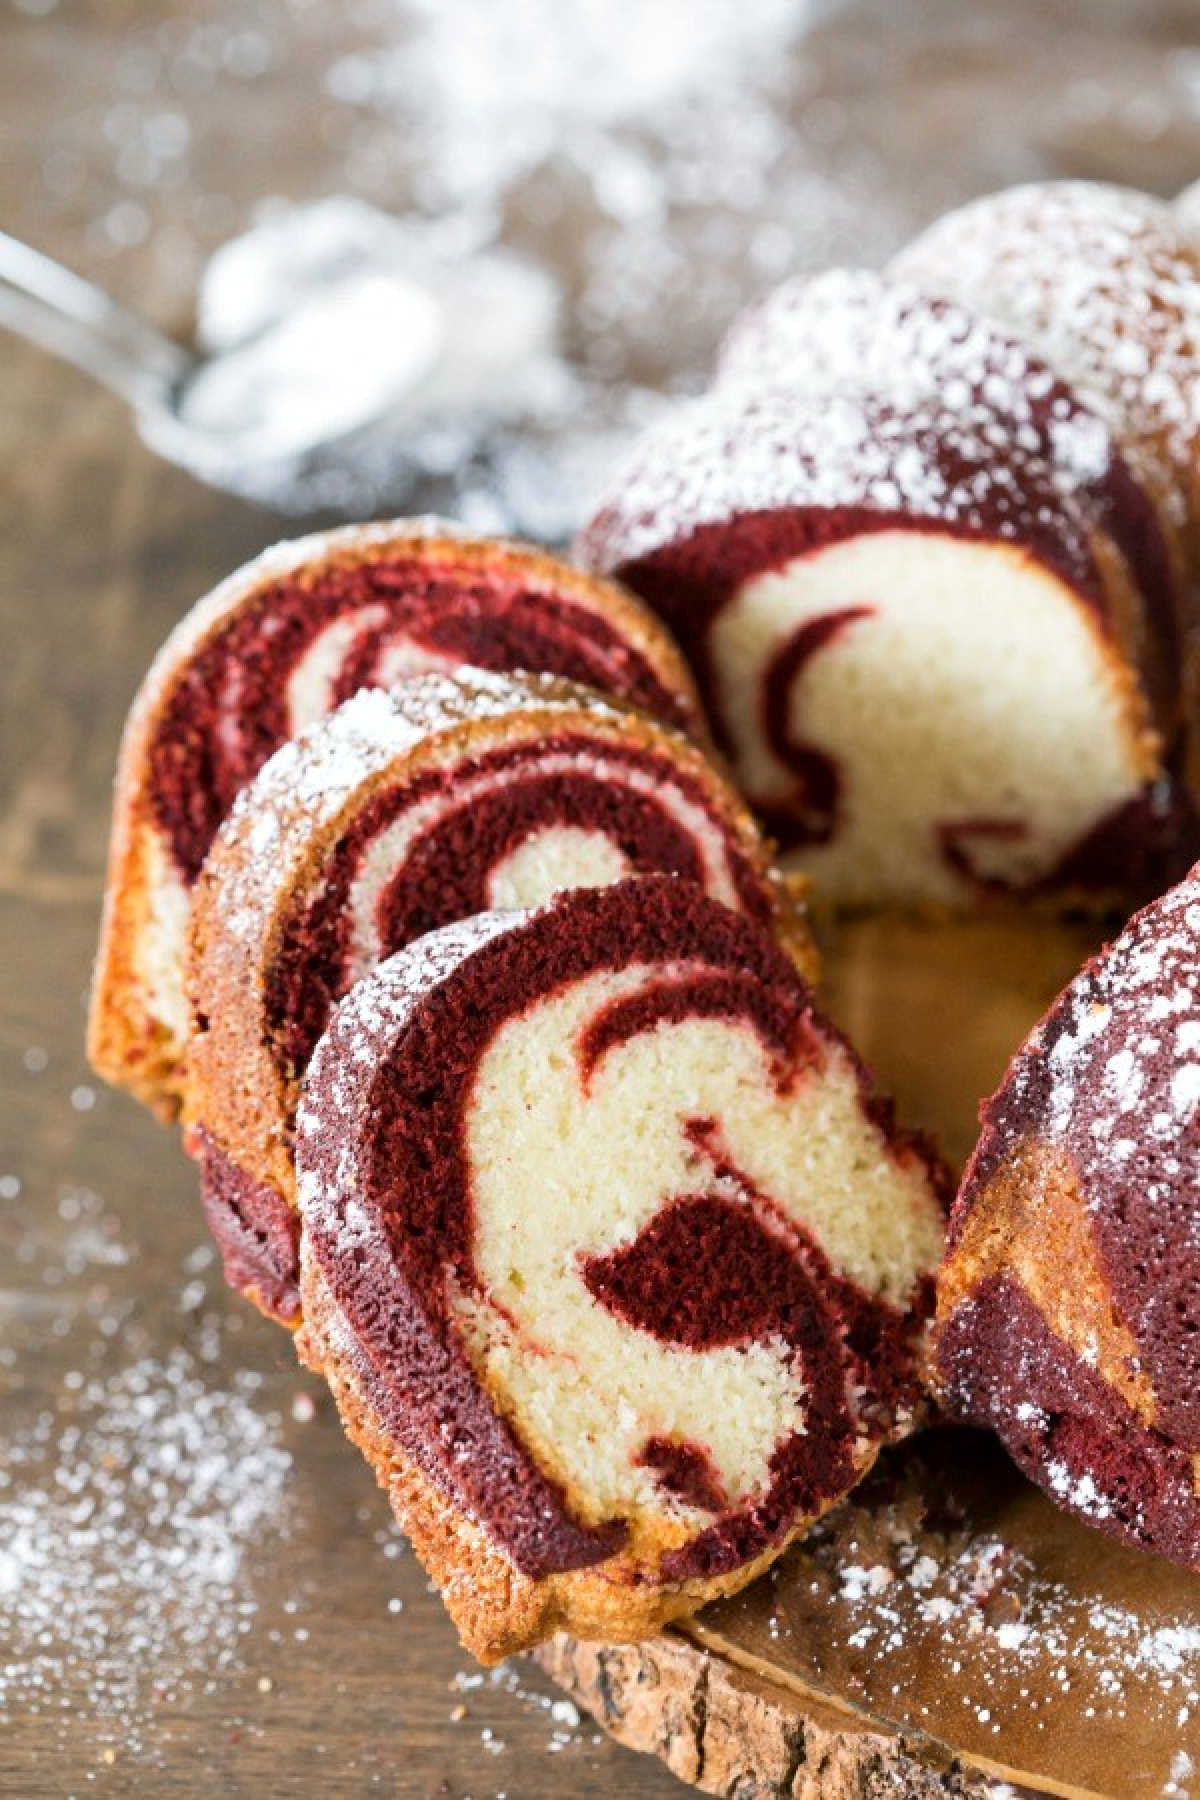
1099 1081
445 875
690 581
687 1471
230 710
810 820
1064 1426
717 996
1139 848
253 1227
1150 840
414 1177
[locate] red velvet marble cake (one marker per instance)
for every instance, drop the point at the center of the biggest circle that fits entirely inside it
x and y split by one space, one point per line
1103 283
278 645
915 615
615 1264
399 813
1069 1301
854 328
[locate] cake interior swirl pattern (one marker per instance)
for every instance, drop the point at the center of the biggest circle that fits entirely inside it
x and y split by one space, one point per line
277 646
399 813
602 1409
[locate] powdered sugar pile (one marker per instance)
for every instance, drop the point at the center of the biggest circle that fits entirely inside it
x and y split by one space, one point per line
391 345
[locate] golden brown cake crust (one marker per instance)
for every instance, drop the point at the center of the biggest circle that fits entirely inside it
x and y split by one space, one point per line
496 1610
128 1044
276 843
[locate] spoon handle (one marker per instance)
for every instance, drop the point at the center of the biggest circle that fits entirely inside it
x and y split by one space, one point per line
71 318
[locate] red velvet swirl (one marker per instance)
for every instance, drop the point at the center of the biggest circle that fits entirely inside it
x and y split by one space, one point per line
706 1270
446 872
230 709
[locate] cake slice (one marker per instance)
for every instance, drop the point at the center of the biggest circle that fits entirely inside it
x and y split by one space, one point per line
853 328
1069 1301
917 636
399 813
615 1264
278 645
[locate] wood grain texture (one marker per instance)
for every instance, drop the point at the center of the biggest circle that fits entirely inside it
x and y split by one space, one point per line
947 1628
329 1690
728 1730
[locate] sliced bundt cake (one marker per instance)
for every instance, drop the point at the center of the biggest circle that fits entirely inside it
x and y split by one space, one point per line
917 637
1069 1301
278 645
616 1266
852 328
400 812
1102 283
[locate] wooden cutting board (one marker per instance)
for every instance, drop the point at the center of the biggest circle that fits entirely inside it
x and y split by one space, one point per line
946 1631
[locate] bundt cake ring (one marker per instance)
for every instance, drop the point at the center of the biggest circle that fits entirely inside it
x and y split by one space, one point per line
918 642
277 645
1069 1300
616 1268
398 813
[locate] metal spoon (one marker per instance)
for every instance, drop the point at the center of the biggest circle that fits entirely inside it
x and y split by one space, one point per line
305 382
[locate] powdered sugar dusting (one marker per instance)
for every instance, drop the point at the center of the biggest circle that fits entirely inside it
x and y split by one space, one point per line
154 1486
939 1595
745 450
853 328
1113 307
1106 1061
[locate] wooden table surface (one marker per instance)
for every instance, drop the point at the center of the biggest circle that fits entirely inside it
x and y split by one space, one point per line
160 1629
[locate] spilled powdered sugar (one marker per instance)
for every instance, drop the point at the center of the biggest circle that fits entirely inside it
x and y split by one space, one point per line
167 1572
141 1495
1064 1637
123 1526
909 1602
